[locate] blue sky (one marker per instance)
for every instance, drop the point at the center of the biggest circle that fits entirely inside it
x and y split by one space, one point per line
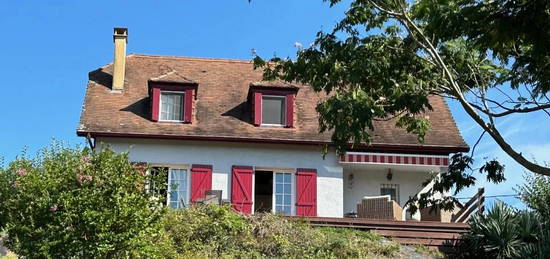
48 48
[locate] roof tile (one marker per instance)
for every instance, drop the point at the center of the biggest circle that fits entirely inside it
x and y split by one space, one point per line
221 109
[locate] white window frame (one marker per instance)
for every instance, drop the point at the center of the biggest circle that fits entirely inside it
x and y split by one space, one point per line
292 192
170 167
188 187
182 93
292 173
284 111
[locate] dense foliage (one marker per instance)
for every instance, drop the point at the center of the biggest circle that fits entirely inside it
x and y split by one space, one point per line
386 57
536 194
213 232
72 203
75 203
505 232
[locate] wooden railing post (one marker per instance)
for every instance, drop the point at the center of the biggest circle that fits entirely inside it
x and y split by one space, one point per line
475 203
480 200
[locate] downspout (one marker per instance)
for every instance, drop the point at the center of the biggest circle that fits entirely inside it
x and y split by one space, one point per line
91 141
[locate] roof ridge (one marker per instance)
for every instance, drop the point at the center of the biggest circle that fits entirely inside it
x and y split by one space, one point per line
229 60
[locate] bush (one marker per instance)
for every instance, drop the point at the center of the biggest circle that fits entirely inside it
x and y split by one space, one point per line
75 203
504 233
536 194
280 237
72 203
211 231
510 233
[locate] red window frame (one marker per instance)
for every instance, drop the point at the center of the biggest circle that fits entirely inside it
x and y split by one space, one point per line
257 95
188 91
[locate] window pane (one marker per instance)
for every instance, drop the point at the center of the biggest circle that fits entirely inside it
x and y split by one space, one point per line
283 193
273 110
287 200
279 178
286 210
174 205
178 187
278 199
287 178
174 196
171 106
279 188
287 188
389 191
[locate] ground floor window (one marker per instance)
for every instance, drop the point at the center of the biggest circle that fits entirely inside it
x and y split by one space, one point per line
273 192
283 193
390 189
177 188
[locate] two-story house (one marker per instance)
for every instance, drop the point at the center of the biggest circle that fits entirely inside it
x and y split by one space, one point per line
214 124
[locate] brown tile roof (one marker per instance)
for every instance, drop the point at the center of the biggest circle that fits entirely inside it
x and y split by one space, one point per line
274 84
221 111
172 77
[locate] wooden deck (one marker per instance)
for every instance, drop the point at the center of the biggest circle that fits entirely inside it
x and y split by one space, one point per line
435 235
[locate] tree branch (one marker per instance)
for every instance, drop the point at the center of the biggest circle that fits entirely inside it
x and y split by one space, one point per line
511 111
518 157
477 142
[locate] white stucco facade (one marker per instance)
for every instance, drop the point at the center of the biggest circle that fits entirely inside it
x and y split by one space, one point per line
367 180
340 186
223 155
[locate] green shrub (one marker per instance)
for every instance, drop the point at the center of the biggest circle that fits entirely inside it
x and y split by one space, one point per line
211 231
72 203
506 233
75 203
536 194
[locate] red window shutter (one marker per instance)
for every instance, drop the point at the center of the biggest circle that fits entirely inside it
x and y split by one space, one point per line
290 110
257 108
155 104
201 180
241 188
306 192
188 105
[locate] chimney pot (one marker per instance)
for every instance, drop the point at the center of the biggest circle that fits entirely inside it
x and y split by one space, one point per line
120 38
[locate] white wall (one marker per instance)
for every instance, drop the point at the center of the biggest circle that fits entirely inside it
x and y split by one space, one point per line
367 180
223 155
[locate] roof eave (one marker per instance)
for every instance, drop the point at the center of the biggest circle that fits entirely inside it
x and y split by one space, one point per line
374 147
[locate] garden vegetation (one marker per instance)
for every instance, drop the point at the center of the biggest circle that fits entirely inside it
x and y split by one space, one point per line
74 203
505 232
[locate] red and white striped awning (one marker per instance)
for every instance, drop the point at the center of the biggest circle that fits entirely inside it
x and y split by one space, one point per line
394 159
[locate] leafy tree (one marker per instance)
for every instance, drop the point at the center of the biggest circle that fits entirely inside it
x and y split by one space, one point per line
74 203
386 57
536 194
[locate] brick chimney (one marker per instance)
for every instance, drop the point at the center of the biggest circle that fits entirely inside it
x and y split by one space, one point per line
120 37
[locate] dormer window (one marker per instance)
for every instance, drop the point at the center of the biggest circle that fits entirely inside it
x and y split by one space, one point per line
273 110
272 104
171 106
171 98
